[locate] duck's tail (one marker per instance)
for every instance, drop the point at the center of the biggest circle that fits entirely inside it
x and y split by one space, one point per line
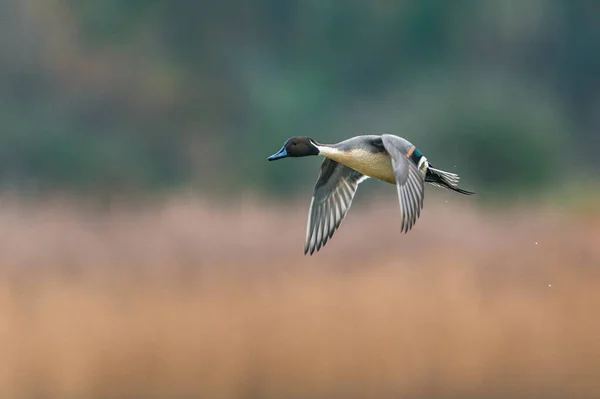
445 180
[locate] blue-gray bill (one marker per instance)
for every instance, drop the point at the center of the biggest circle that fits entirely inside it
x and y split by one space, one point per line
278 155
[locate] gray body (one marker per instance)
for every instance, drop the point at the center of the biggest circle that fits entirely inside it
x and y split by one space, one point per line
372 155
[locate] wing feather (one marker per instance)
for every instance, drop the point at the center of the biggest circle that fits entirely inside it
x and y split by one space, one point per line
410 181
331 200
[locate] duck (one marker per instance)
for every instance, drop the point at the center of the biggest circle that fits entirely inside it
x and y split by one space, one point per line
387 158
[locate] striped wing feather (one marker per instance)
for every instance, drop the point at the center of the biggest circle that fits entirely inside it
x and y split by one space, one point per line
410 182
332 197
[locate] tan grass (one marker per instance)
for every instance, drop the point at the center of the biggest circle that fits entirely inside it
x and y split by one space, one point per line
192 300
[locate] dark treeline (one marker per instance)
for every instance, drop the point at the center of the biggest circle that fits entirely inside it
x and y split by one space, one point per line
145 94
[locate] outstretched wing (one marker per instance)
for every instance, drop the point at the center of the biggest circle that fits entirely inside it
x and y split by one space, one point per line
410 181
332 196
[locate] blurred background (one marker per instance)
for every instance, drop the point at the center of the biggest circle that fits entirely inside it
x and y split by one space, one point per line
149 249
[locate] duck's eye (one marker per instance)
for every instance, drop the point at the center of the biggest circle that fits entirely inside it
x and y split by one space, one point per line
293 143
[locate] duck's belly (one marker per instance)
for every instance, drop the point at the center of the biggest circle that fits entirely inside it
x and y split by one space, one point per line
377 166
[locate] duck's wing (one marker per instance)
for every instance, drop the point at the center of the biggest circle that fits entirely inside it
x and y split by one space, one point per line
332 196
410 181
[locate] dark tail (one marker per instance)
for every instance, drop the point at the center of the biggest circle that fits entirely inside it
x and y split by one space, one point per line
445 180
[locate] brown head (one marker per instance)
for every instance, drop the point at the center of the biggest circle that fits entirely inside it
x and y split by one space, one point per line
299 146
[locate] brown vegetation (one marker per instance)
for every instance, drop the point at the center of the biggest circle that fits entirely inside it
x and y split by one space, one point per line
191 299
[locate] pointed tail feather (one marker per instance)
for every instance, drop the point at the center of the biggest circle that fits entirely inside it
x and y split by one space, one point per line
445 180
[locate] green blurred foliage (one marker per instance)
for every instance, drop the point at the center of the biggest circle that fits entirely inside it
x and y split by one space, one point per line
148 94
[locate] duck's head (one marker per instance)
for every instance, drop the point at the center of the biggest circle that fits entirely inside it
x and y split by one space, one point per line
299 146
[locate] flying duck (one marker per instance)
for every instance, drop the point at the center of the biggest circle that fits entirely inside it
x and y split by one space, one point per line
386 157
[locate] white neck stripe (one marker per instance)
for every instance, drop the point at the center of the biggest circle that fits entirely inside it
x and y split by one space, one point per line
326 150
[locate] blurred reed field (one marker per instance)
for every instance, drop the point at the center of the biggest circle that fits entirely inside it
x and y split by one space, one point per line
189 299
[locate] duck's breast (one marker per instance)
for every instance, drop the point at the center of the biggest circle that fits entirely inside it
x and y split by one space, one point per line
375 165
